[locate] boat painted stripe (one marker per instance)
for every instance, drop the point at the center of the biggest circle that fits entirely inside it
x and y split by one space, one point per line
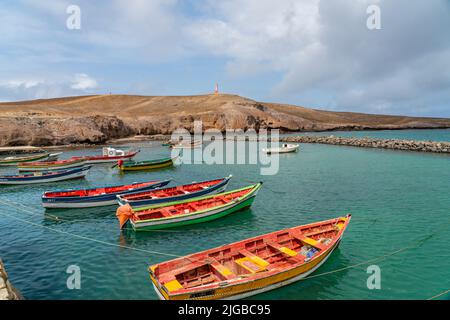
198 218
220 187
102 197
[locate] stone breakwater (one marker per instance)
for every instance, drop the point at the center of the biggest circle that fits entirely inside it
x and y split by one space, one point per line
393 144
7 291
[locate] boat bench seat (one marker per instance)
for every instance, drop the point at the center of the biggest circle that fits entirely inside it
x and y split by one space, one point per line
252 262
291 253
172 275
309 234
310 241
224 271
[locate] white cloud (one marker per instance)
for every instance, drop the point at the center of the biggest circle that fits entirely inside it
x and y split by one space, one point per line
15 84
83 82
316 49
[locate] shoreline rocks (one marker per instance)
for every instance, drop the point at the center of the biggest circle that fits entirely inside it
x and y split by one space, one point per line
7 291
391 144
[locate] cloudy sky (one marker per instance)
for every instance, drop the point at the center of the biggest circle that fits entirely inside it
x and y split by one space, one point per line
316 53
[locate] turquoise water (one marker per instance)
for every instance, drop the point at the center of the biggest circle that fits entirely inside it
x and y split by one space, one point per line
399 201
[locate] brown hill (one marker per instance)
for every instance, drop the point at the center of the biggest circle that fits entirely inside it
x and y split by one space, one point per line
95 119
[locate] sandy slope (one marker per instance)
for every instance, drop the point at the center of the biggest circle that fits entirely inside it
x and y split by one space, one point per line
95 119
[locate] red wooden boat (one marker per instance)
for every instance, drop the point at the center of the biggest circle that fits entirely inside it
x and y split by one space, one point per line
95 197
251 266
111 155
176 193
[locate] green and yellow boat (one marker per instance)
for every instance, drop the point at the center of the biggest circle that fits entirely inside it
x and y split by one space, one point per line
186 212
145 165
15 160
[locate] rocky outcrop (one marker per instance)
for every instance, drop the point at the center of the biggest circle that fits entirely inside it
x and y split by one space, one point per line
96 119
7 291
394 144
39 131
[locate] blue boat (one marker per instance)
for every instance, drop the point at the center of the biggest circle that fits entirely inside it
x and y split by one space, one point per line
45 176
95 197
176 193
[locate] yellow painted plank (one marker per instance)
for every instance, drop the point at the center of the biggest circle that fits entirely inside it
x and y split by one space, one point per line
173 285
288 251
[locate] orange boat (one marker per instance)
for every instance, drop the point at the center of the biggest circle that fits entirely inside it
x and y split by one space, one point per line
251 266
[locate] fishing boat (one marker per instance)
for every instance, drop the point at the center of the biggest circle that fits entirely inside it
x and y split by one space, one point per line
250 266
53 156
15 160
145 165
179 213
44 177
187 145
168 143
111 155
284 148
95 197
52 165
176 193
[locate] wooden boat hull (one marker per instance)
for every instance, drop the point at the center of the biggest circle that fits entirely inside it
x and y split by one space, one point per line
49 167
288 149
109 159
151 166
198 218
58 176
18 160
247 290
93 201
220 187
209 208
53 156
272 270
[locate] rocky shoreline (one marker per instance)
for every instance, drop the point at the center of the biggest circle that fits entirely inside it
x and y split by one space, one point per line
7 291
392 144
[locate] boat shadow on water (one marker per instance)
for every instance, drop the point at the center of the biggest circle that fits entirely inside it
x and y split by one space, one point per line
228 223
57 216
165 169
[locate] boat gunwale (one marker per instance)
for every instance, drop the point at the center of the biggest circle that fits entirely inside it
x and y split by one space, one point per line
140 189
221 181
166 204
255 188
146 162
44 174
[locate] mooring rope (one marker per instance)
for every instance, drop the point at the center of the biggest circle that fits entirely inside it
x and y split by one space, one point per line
88 238
415 244
439 295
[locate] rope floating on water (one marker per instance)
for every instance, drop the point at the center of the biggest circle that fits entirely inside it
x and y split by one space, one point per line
439 295
415 244
88 238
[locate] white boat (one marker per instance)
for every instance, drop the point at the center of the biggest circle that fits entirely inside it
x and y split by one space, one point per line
188 145
284 148
111 155
53 156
